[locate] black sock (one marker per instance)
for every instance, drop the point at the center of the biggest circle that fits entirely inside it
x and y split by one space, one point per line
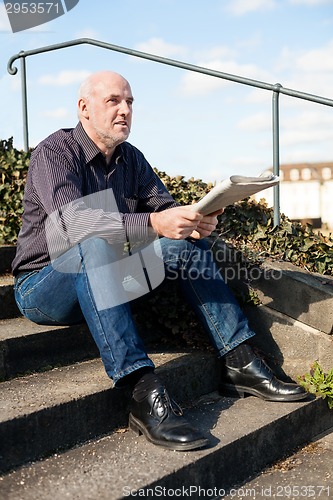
145 384
133 378
242 355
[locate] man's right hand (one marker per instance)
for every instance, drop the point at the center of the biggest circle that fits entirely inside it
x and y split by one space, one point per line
176 223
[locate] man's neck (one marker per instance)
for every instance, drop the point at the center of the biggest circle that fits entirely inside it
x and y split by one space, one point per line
108 156
105 150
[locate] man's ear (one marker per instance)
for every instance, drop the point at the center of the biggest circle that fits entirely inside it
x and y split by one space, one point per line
82 105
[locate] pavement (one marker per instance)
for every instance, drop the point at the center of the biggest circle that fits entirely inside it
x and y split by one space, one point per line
308 473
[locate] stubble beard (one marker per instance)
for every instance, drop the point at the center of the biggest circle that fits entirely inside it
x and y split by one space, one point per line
108 139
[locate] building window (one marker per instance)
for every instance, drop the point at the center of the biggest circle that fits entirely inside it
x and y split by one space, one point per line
326 173
294 174
306 174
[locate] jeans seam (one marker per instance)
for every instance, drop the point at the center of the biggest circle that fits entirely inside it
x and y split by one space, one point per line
202 303
100 327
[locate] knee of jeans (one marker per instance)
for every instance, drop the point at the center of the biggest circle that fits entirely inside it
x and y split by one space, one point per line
100 251
94 243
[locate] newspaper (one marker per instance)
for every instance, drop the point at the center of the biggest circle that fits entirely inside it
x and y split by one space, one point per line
235 188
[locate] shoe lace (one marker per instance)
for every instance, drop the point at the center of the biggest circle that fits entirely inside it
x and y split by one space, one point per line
162 403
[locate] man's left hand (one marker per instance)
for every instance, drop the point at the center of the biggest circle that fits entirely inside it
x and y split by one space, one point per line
206 226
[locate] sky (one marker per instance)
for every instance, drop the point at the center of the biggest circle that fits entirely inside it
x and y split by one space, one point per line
185 123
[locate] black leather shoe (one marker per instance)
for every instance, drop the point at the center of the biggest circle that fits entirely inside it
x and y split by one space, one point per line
161 421
257 379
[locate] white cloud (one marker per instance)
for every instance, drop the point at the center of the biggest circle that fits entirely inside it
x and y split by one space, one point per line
248 164
308 71
314 119
310 2
12 83
315 126
88 33
199 84
218 52
320 59
317 59
306 137
4 21
64 78
241 7
56 113
158 46
256 123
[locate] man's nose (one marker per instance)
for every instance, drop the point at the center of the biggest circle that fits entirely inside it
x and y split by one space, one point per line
124 108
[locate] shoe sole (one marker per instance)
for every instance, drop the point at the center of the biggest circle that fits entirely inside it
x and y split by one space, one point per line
242 392
137 427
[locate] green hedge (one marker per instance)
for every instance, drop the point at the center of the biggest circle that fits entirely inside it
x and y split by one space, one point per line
249 227
13 170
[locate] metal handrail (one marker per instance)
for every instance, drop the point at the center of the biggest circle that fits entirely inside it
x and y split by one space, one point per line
276 89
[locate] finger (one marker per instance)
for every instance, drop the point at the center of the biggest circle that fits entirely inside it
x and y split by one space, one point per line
207 226
209 220
217 212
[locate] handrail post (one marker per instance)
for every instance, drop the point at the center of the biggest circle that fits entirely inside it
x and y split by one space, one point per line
24 104
276 151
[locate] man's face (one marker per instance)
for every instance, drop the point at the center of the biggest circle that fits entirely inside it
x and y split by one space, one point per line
109 112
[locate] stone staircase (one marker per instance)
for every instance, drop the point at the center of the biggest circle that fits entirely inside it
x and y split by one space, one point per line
63 428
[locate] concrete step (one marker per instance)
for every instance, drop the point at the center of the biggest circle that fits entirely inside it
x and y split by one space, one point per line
307 473
282 286
45 412
7 254
8 307
290 346
291 290
245 435
27 347
55 411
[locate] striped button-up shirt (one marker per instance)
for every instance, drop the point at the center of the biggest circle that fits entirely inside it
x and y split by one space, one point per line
69 184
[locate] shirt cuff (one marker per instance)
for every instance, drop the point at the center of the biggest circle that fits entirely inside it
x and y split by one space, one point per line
137 227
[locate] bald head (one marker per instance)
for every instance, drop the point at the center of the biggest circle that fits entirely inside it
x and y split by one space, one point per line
105 109
96 83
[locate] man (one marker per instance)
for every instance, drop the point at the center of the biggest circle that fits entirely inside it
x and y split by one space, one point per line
90 198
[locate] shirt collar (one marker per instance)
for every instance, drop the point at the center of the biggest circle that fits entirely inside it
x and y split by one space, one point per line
89 148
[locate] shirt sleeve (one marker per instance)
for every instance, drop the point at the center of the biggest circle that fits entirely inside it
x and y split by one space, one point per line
152 196
72 215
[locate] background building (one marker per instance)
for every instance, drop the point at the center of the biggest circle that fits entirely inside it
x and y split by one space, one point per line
306 193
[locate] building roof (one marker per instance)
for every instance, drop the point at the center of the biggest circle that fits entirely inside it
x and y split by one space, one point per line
321 171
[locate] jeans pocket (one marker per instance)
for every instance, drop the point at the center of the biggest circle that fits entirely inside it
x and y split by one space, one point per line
37 316
22 281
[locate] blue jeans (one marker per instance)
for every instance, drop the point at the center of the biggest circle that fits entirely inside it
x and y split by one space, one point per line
55 296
